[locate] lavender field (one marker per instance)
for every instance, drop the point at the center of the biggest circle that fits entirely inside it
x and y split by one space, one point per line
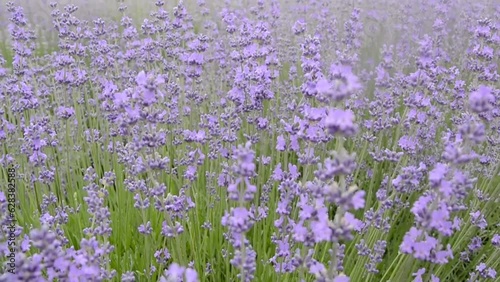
273 141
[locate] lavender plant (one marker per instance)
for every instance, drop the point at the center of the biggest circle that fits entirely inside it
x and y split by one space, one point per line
251 141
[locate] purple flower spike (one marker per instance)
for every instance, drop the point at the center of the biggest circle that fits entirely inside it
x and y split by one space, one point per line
341 122
482 99
177 273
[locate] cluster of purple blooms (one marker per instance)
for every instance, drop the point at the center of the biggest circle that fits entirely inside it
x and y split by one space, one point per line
264 141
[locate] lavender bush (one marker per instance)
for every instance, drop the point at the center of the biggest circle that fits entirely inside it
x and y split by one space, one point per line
251 141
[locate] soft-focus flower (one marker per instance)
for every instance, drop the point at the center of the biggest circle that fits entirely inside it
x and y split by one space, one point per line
341 122
482 99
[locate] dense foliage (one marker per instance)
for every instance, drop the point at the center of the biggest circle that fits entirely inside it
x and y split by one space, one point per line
274 140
